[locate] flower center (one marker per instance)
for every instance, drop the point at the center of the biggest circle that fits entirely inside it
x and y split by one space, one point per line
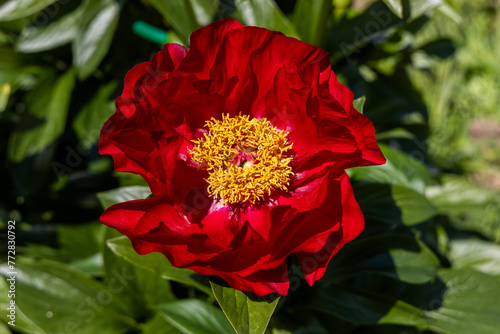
245 158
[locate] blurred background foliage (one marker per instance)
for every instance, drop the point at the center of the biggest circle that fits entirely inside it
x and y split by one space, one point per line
428 260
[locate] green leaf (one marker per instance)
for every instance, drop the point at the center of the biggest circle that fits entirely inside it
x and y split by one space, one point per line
194 316
393 204
400 169
412 8
449 12
442 48
159 325
395 133
350 35
51 36
204 10
179 14
479 255
16 9
48 102
366 307
157 263
310 19
248 313
396 6
4 328
421 7
457 195
95 33
92 116
415 207
396 255
265 14
5 90
185 16
144 287
470 303
57 298
359 103
415 267
123 194
78 241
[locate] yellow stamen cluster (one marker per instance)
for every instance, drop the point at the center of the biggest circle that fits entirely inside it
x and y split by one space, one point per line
245 158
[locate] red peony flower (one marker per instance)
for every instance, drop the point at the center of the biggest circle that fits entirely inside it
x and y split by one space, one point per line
243 140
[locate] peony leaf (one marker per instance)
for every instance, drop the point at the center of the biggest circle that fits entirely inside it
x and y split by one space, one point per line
56 298
16 9
412 8
159 325
414 206
470 302
396 6
457 195
194 316
204 10
92 116
142 286
4 328
185 16
350 35
49 102
480 255
5 90
393 204
247 312
367 307
123 194
400 169
265 14
421 7
32 145
310 19
51 36
157 263
94 35
179 15
396 255
359 103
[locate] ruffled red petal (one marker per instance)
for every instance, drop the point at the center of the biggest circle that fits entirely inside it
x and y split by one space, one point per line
230 69
345 221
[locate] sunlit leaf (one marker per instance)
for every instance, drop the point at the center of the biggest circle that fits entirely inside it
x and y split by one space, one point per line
123 194
310 19
247 313
194 316
51 36
58 298
157 263
48 102
15 9
470 303
95 33
396 6
265 14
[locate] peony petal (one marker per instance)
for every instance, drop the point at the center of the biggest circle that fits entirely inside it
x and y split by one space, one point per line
125 216
284 52
231 69
315 253
128 106
260 282
360 126
307 196
204 45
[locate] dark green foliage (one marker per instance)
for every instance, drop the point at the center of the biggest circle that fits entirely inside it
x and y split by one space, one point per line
427 261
